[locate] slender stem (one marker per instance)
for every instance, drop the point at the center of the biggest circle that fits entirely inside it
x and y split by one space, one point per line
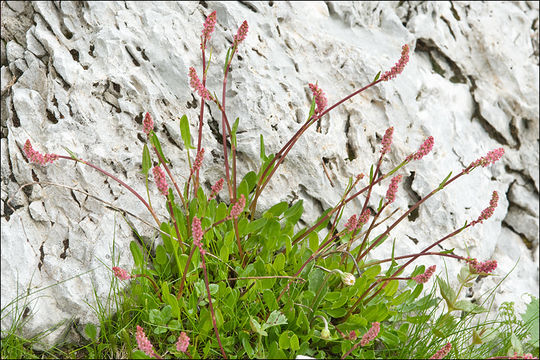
170 176
201 114
175 226
418 254
117 180
154 285
366 236
210 304
238 244
186 268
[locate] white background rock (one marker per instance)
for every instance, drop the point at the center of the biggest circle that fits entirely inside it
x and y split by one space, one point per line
86 73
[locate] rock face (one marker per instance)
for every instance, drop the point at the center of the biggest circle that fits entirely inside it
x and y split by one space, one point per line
81 75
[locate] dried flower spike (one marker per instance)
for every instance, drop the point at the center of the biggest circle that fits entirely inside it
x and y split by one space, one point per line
371 334
209 26
387 140
399 66
35 156
148 124
183 341
121 273
443 352
197 85
144 344
320 98
423 278
161 182
392 189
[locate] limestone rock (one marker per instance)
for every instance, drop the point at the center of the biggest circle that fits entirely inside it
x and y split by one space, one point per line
86 72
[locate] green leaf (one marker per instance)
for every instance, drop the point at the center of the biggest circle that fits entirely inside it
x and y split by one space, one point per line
227 62
91 331
137 254
371 174
372 271
71 153
464 305
377 76
161 255
284 343
233 131
336 313
441 185
270 299
294 213
447 293
312 108
278 209
279 262
293 341
391 288
146 160
516 344
138 354
262 152
276 318
185 132
155 141
530 317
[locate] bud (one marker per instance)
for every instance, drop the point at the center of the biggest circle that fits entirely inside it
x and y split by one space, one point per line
325 333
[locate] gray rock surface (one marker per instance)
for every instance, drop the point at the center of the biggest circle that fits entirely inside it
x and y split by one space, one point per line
82 74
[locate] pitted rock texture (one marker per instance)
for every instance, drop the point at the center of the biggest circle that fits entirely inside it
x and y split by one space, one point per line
82 75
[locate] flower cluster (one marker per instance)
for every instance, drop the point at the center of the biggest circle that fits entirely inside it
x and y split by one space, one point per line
121 273
161 182
36 156
363 219
198 161
183 339
399 66
144 344
241 33
488 212
209 26
197 85
238 207
482 267
392 189
387 140
371 334
148 124
216 189
490 158
352 223
443 352
425 149
320 98
197 232
423 278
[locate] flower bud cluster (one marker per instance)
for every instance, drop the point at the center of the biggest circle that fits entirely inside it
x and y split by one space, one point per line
425 149
485 267
209 26
392 189
183 339
423 278
488 212
144 344
490 158
443 352
320 98
399 66
387 140
197 85
161 182
371 334
36 156
148 124
121 273
216 189
238 207
241 33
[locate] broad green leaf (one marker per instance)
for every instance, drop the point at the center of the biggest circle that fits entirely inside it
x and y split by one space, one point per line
276 318
278 209
254 226
279 262
447 293
293 341
161 255
146 160
270 299
372 271
336 313
294 213
137 254
530 317
155 141
312 108
284 343
516 344
391 288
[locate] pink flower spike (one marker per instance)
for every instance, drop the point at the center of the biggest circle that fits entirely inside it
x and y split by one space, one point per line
424 149
238 207
485 267
443 352
241 34
209 26
216 189
488 212
121 273
144 344
197 232
351 223
363 219
392 189
423 278
183 341
352 335
387 140
198 161
399 66
197 85
490 158
320 98
35 156
371 334
159 178
148 124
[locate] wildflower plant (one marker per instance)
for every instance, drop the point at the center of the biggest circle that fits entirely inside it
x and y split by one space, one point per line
225 282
